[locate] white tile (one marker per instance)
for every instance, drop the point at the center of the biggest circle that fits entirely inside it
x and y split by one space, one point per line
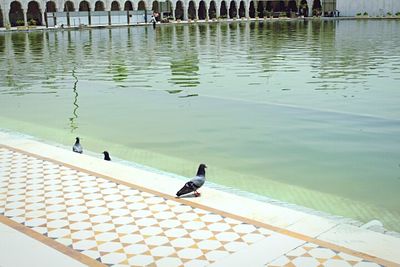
168 262
305 261
113 258
109 246
162 251
182 242
189 253
156 240
255 254
141 260
372 243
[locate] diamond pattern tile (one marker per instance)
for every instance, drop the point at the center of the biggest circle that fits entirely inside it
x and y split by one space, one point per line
311 254
113 223
119 225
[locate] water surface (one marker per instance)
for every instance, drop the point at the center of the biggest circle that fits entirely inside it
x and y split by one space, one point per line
304 112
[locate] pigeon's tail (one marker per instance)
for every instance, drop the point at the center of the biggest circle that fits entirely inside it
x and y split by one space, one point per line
187 188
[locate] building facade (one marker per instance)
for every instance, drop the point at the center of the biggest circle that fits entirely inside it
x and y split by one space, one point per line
111 12
25 12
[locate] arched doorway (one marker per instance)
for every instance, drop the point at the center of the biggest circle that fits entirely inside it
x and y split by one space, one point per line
99 6
51 6
278 6
128 5
232 10
242 9
252 10
223 10
202 10
1 18
142 5
212 11
115 6
69 6
303 9
192 10
155 6
292 6
260 9
179 10
317 8
34 15
16 15
84 6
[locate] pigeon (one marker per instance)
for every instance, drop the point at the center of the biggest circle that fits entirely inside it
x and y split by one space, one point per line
106 156
77 146
195 183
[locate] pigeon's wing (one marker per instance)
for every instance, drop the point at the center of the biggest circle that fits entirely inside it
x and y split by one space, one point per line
198 181
187 188
77 148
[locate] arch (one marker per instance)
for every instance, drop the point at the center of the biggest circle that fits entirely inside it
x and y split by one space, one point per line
202 12
192 10
232 10
84 6
69 6
142 5
260 9
179 10
169 12
16 15
278 6
269 7
155 7
223 10
33 14
115 6
292 6
1 18
252 10
99 6
242 9
316 8
51 6
128 5
212 10
303 8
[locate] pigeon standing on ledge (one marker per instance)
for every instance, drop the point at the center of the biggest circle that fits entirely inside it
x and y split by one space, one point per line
195 183
77 146
106 156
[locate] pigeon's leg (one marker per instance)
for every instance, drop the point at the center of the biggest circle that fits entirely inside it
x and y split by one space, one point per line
196 194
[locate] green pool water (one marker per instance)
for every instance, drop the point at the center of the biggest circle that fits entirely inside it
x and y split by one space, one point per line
303 112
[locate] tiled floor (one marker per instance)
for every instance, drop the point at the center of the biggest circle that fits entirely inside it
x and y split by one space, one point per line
120 225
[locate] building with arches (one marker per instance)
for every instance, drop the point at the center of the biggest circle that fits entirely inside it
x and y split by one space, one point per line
25 12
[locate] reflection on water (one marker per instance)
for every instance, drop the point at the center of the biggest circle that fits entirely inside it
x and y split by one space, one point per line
305 112
74 117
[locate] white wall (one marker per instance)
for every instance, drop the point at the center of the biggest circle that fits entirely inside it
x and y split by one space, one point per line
372 7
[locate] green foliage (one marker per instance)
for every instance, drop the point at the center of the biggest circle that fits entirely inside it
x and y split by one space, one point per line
358 14
20 22
32 22
365 14
389 14
398 14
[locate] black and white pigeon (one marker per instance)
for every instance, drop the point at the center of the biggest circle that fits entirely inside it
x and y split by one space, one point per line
106 156
195 183
77 146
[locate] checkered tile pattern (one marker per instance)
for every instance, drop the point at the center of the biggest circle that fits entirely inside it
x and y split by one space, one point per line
120 225
312 255
113 223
